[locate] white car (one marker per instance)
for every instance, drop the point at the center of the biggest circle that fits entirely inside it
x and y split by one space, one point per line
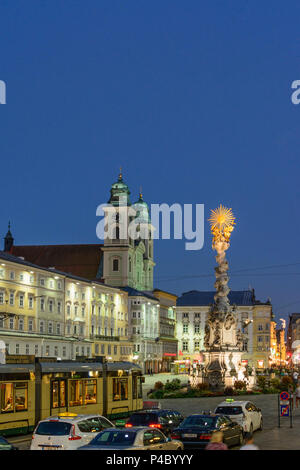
245 413
67 431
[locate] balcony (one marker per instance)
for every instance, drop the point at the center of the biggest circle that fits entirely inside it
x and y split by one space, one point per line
107 338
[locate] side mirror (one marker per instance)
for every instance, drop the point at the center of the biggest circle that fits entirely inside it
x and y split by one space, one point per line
168 439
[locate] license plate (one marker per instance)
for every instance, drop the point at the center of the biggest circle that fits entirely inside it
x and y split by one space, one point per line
189 435
49 448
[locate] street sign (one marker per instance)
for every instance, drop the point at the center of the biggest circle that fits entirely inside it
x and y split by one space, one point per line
284 410
284 396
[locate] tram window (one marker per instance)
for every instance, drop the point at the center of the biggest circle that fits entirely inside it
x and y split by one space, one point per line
75 393
58 394
62 394
140 390
7 398
137 387
55 403
21 395
120 389
90 391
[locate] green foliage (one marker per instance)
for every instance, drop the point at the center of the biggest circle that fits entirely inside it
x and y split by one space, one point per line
261 382
229 391
174 385
158 386
275 383
202 386
157 394
240 385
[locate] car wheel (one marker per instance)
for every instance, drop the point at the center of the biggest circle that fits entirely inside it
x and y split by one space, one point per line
251 428
261 425
241 439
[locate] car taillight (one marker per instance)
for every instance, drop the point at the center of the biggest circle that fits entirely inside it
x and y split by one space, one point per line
73 436
32 437
205 436
128 425
175 436
155 425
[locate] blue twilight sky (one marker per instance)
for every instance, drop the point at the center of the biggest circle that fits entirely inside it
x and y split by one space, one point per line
191 98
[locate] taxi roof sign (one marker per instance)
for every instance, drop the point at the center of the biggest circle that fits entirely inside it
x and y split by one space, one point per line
229 400
67 415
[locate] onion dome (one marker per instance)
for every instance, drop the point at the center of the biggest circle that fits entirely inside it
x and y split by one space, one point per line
142 211
119 193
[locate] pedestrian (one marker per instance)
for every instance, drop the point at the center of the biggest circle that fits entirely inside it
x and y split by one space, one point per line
216 442
297 395
148 371
249 444
295 377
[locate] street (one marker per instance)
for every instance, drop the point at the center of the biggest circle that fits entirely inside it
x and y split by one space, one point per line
270 438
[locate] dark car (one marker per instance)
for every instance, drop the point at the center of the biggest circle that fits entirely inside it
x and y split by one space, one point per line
5 445
165 420
196 430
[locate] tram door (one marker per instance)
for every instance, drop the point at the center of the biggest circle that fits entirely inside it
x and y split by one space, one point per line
58 399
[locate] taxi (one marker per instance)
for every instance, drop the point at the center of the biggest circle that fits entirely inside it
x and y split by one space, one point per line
67 431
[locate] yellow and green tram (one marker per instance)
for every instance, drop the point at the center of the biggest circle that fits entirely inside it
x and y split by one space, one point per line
31 392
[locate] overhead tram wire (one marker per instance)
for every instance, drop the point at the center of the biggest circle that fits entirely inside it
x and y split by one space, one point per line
235 273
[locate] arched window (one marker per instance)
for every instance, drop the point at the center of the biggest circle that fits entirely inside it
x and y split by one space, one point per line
115 265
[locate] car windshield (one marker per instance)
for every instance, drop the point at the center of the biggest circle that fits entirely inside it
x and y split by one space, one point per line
4 444
202 422
229 410
114 438
142 419
53 428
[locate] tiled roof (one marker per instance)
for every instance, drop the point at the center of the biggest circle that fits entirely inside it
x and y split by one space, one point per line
202 298
79 260
4 256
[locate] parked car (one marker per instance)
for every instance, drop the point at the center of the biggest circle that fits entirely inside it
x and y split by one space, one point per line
67 431
5 445
165 420
244 413
135 438
196 430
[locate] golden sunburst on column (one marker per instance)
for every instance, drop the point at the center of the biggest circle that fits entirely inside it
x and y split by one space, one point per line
221 217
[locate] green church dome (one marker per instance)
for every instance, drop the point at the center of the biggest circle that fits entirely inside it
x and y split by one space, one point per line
119 193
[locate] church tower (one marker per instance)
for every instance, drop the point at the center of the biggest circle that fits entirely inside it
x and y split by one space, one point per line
127 261
8 240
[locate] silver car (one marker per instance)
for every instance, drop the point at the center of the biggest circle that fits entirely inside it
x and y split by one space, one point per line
135 438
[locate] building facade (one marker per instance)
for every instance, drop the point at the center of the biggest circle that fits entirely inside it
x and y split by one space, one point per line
191 313
47 313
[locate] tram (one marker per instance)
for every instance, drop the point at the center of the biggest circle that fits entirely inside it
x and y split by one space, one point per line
31 392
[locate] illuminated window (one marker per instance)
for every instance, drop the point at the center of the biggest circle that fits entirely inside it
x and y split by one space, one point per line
120 389
13 397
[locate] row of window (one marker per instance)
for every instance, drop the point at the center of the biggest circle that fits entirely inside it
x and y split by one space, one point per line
109 349
35 349
25 278
19 324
